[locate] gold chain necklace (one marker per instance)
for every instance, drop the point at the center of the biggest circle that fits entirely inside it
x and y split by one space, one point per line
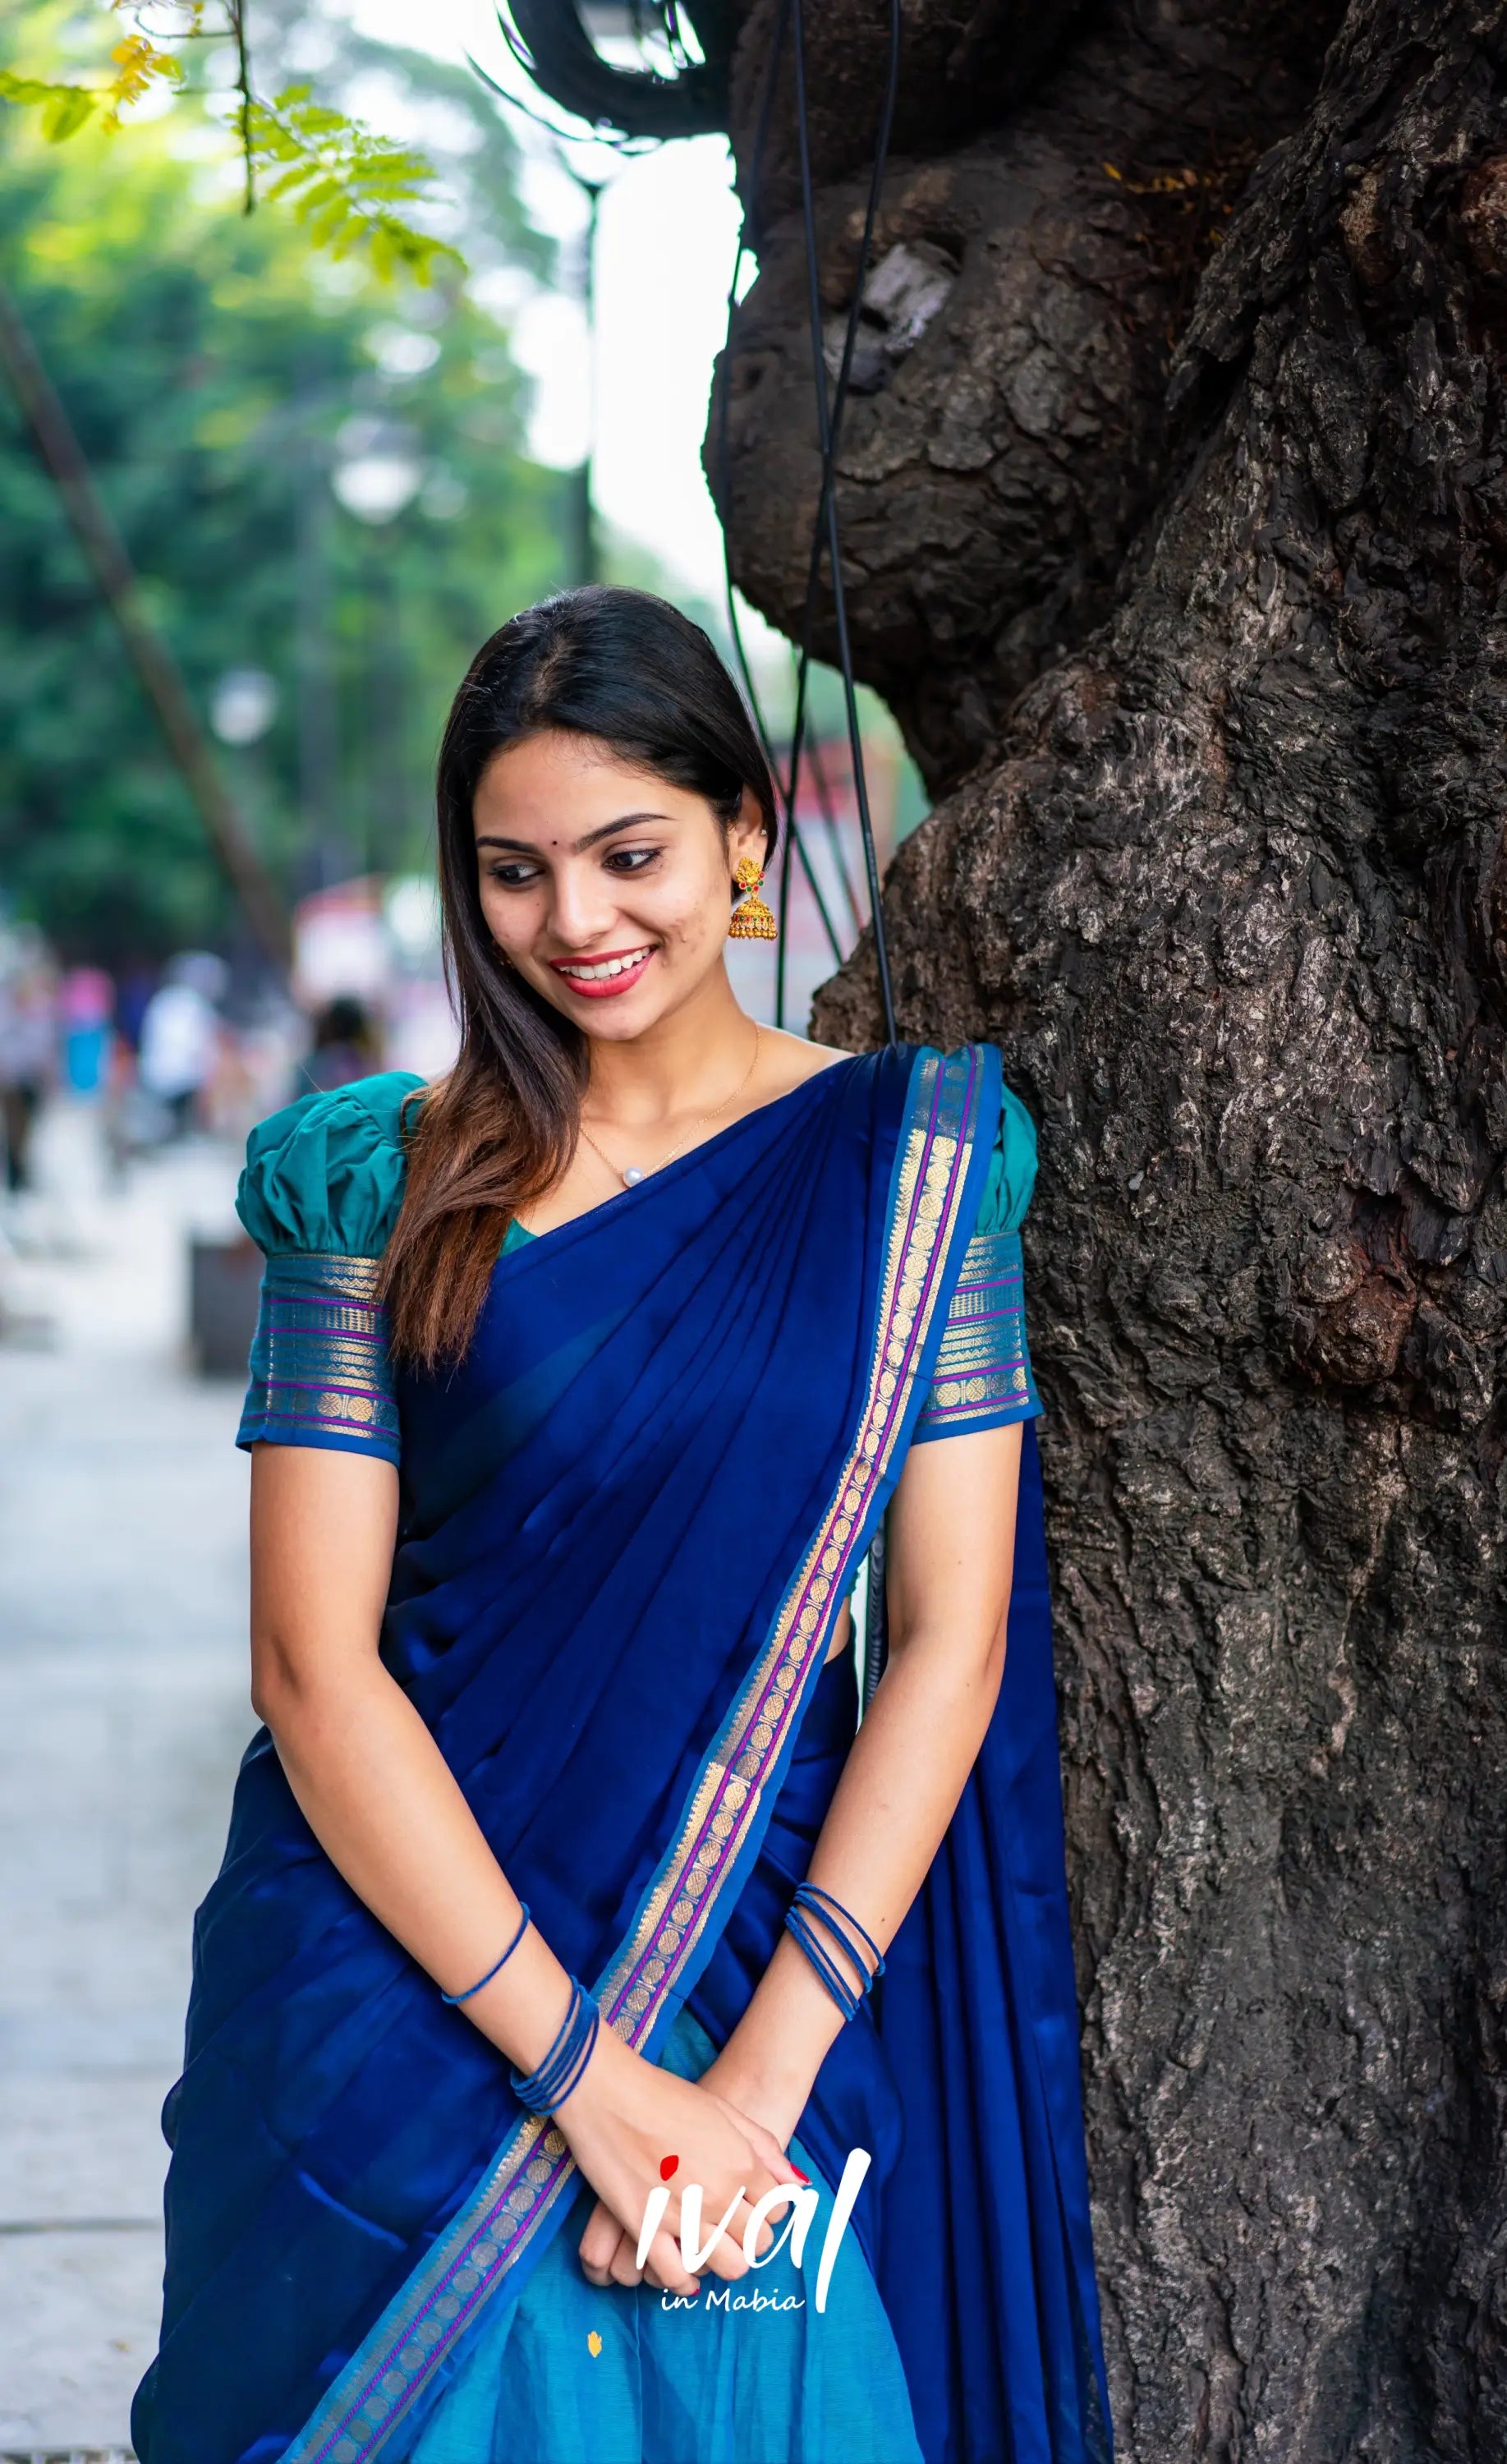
635 1172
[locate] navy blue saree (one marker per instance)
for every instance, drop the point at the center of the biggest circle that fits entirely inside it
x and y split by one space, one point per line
628 1524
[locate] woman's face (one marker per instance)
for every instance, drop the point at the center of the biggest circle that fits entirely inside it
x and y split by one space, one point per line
608 889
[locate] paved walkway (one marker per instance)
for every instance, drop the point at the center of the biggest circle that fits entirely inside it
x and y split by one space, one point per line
123 1713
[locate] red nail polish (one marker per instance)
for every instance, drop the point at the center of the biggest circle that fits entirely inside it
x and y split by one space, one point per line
801 2176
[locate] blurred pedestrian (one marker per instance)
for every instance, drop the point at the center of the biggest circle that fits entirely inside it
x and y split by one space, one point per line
181 1034
27 1048
85 1008
134 988
344 1046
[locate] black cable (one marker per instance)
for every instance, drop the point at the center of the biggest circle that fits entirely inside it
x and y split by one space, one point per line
828 433
793 840
552 44
826 537
824 534
824 787
829 437
574 57
630 147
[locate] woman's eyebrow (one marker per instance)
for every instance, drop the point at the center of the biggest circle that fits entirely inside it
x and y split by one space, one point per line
525 847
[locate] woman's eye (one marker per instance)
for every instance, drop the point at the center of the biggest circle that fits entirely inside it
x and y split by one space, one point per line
514 876
631 859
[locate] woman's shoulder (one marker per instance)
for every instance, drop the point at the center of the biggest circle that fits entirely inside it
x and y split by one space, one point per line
324 1175
1010 1177
1011 1171
792 1059
1012 1167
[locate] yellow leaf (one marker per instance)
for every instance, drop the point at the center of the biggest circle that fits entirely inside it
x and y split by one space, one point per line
137 62
594 2343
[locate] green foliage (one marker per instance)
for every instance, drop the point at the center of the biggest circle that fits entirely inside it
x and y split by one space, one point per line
140 64
218 376
345 184
350 189
479 148
64 108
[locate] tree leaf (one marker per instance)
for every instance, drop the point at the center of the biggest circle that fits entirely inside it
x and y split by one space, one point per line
66 113
64 108
346 184
139 65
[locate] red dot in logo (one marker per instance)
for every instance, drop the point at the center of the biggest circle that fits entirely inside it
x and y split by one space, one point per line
667 2165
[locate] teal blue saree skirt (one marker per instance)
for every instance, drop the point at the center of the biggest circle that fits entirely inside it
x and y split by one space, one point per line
724 2382
628 1523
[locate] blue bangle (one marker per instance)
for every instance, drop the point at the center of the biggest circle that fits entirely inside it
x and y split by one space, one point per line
560 2071
798 1920
501 1964
806 1893
799 1925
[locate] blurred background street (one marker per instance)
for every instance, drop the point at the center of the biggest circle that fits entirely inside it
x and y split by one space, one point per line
123 1713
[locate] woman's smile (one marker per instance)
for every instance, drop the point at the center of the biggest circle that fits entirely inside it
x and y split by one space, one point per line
598 979
610 890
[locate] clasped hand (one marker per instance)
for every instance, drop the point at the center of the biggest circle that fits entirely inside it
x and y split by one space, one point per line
620 2121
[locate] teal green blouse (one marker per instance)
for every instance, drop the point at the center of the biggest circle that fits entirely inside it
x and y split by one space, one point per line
320 1194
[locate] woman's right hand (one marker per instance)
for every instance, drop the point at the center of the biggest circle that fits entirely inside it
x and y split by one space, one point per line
621 2120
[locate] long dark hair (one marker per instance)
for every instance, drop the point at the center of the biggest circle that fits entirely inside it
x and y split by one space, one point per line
629 672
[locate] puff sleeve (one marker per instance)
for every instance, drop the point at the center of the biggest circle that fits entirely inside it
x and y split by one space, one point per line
319 1196
983 1378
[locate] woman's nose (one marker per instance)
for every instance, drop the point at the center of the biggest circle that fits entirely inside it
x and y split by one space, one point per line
582 905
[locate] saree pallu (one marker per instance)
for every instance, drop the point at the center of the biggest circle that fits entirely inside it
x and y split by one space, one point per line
627 1525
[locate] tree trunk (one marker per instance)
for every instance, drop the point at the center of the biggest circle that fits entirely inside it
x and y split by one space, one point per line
1177 526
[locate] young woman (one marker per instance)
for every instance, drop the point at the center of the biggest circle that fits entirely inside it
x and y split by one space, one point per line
563 1876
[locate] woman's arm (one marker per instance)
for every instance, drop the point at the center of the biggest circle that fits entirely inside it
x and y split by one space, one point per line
951 1550
386 1806
951 1540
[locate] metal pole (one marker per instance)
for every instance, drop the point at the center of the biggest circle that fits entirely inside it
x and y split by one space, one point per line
585 559
161 678
318 747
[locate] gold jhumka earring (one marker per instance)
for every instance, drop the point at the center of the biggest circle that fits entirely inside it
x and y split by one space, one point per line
752 920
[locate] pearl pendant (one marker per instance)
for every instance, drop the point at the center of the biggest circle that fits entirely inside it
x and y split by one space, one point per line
632 1177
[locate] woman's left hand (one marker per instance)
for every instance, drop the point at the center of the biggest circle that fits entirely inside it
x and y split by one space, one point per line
755 2099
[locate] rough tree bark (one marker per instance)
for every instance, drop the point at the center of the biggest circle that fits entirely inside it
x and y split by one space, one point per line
1177 522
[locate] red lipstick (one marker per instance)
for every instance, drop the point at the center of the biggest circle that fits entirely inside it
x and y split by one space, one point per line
604 987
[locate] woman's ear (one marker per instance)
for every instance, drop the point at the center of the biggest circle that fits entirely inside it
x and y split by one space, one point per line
745 836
